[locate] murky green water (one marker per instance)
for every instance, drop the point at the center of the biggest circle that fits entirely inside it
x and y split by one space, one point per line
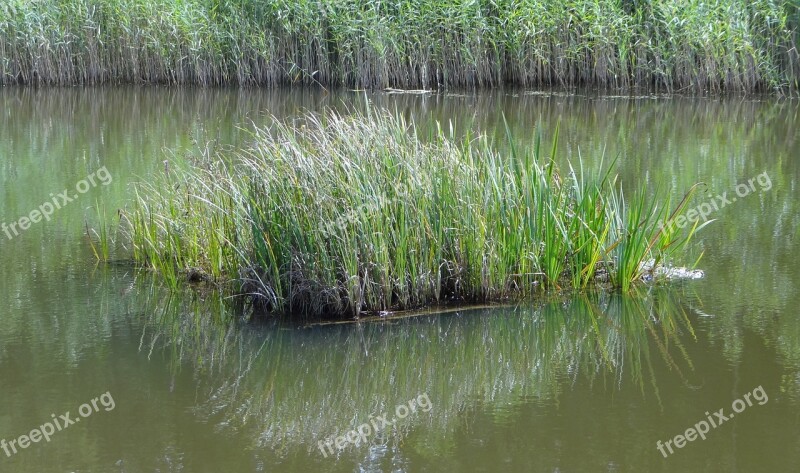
588 383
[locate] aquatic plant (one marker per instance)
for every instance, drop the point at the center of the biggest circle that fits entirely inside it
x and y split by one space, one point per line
334 215
677 45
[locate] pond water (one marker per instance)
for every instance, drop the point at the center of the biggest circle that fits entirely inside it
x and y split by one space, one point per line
166 382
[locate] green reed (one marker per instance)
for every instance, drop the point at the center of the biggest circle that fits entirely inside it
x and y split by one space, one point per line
339 215
677 45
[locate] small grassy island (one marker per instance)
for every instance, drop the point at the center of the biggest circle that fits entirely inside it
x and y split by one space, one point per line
345 215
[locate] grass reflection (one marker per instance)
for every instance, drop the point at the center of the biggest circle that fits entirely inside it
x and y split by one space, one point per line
286 389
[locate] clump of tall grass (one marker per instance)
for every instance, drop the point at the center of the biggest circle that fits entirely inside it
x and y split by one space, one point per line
676 45
337 215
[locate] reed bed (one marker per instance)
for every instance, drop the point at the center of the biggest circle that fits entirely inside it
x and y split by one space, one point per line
677 45
334 215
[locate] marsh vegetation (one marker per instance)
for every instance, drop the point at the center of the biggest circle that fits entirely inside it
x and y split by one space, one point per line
690 46
337 215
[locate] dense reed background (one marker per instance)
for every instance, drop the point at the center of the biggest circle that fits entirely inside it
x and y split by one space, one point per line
677 45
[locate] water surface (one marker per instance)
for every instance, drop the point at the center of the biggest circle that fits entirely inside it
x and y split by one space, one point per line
583 383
